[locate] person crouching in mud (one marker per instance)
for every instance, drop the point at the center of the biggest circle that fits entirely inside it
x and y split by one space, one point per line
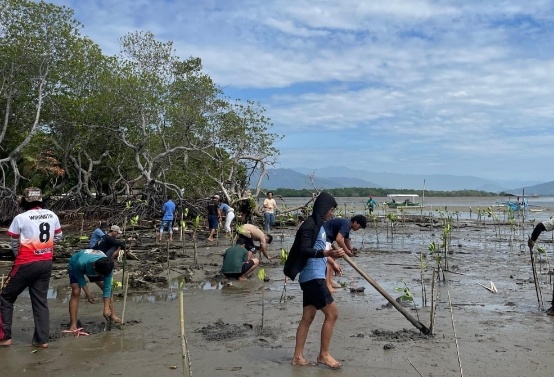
308 257
98 268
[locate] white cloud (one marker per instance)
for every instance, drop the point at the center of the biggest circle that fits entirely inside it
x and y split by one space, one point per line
450 84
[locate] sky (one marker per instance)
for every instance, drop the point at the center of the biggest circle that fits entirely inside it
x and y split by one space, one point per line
399 86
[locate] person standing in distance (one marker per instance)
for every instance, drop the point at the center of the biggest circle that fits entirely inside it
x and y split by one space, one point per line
270 205
229 212
167 220
214 214
33 235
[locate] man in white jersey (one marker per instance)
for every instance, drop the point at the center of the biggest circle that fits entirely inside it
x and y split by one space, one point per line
33 234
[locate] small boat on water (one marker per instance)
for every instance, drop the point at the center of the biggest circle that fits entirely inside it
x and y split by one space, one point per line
403 201
520 206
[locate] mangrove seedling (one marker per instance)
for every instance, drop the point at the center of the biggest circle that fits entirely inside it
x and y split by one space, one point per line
195 227
407 295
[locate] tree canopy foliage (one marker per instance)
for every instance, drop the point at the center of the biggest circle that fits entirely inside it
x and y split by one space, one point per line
78 122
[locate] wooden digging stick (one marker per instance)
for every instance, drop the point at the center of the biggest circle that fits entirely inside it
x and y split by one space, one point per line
420 326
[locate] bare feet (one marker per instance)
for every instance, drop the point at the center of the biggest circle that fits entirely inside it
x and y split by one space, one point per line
243 278
329 361
115 319
211 240
39 345
5 343
299 360
335 284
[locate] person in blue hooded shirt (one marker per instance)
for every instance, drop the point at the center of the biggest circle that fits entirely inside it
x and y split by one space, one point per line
97 267
307 257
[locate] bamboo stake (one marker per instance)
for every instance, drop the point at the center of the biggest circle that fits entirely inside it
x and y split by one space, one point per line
455 336
535 279
432 319
168 267
181 227
184 350
283 294
3 278
125 299
125 274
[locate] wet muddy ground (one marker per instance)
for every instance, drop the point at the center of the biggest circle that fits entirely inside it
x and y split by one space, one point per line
476 332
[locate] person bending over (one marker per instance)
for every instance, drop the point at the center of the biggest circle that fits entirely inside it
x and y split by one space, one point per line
98 268
238 262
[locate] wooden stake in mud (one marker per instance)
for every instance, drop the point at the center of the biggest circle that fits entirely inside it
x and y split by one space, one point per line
125 281
535 279
184 349
420 326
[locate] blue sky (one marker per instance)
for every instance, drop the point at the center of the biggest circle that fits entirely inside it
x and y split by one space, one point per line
423 87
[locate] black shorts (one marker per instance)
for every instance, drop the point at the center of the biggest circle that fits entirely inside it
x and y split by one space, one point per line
245 267
247 242
316 293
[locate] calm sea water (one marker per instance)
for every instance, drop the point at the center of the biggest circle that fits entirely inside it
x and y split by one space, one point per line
466 206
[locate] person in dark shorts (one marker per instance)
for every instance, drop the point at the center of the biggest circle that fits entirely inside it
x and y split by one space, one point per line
308 256
249 233
238 263
33 235
214 213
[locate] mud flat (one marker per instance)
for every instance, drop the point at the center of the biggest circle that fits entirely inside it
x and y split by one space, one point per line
498 334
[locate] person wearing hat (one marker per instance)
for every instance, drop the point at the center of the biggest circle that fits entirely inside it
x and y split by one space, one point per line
214 213
167 220
97 234
33 236
111 245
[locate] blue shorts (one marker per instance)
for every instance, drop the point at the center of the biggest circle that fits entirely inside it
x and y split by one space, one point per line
167 225
92 279
213 221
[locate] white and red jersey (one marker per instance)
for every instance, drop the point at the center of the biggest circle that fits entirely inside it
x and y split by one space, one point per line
35 229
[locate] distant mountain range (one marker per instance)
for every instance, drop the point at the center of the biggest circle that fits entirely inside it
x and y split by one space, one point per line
339 177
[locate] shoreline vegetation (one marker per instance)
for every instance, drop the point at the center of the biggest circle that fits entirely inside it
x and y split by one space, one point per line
381 192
